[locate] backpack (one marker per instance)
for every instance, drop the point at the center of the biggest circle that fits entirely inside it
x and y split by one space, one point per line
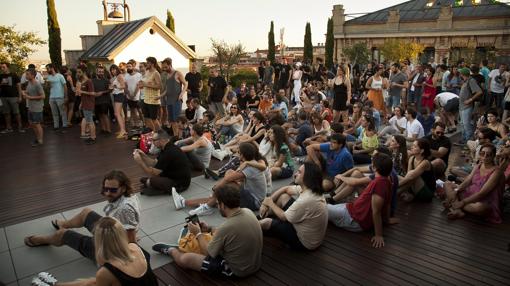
145 142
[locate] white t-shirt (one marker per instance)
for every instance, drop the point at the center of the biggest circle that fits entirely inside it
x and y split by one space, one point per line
445 80
199 113
38 77
402 122
497 81
132 82
443 97
413 128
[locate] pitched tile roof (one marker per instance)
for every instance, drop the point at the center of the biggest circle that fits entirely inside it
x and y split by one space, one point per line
417 10
104 47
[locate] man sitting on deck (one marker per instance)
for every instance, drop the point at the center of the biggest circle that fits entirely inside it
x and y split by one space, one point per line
170 170
236 245
301 223
122 205
338 159
372 207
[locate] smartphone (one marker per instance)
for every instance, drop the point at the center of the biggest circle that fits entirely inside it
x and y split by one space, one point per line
192 219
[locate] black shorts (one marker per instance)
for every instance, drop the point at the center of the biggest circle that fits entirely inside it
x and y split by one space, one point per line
82 243
216 266
133 104
119 98
150 111
452 105
102 108
285 231
507 105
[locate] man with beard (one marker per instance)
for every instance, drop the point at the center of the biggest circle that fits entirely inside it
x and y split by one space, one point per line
133 94
103 100
236 246
122 205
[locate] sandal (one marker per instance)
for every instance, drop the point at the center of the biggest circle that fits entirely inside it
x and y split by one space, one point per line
28 242
38 282
55 225
47 278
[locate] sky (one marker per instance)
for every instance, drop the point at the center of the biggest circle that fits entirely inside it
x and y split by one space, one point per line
196 22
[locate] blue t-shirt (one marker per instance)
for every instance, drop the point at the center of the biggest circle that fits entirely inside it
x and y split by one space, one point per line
304 131
427 122
57 83
337 162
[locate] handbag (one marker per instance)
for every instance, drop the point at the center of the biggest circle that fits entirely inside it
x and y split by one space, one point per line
189 243
146 142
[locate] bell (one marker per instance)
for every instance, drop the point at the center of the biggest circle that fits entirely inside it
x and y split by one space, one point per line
115 14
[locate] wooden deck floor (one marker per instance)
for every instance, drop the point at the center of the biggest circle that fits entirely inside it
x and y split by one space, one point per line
425 249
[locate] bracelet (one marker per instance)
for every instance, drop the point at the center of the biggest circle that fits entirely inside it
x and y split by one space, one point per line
198 234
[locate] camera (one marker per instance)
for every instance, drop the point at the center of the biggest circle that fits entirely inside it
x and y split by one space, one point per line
192 219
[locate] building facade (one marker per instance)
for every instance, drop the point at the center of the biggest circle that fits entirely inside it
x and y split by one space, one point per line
449 30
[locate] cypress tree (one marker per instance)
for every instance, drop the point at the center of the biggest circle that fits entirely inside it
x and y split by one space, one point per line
170 23
271 44
308 47
54 40
330 45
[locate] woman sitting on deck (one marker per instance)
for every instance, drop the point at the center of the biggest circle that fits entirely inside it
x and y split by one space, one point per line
480 193
121 262
419 182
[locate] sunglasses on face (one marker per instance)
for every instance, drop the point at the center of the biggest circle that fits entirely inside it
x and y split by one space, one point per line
110 190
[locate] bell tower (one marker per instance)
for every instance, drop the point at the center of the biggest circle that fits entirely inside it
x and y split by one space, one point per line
112 15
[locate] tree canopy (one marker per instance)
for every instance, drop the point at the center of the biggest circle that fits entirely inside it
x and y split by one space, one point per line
54 40
170 22
271 44
358 53
396 50
330 44
227 56
308 47
15 46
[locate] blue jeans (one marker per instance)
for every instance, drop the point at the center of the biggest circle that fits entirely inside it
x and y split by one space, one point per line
467 123
415 97
394 101
57 107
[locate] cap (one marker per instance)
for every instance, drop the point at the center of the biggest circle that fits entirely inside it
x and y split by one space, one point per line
465 71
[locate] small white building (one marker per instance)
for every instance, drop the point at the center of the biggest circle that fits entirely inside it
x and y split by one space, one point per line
121 41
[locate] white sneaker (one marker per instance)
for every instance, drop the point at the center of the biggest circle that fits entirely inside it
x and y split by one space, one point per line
202 210
178 200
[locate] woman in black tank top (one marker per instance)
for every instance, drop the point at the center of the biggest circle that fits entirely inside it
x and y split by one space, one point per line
122 263
419 183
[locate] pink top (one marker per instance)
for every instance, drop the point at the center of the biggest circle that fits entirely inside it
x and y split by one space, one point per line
493 198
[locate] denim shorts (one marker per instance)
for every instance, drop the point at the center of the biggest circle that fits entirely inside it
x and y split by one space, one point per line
35 117
174 110
88 115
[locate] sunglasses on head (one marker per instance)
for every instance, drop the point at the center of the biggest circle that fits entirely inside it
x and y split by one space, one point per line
110 190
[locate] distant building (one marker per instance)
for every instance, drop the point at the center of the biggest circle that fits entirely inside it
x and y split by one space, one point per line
449 29
119 41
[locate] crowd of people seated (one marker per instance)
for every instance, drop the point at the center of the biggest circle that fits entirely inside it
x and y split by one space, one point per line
358 141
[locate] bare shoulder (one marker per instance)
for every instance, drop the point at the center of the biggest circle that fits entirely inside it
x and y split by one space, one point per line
104 277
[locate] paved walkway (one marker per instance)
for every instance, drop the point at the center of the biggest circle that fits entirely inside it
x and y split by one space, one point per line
159 222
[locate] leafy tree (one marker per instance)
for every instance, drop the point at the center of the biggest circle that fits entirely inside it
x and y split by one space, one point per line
396 50
308 47
357 53
54 40
15 47
227 56
330 44
270 44
170 22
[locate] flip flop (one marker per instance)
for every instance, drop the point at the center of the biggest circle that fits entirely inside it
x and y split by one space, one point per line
28 242
55 225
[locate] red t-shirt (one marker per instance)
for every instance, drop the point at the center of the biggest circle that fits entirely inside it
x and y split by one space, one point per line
87 101
361 209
